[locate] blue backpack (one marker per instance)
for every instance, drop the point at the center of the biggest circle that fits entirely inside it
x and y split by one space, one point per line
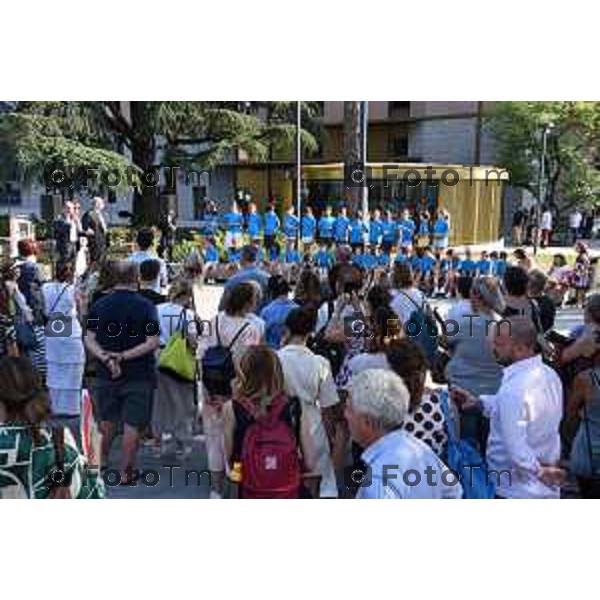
462 455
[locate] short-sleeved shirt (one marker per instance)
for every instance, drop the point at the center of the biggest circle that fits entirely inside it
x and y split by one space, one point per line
123 320
271 223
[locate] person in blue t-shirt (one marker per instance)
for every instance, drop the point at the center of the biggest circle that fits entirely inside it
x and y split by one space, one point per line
272 223
323 258
441 231
401 255
234 255
424 230
291 224
275 313
326 223
358 258
253 223
309 226
340 227
484 266
291 254
428 264
357 232
468 266
407 229
383 259
369 260
500 265
233 221
210 252
389 232
375 228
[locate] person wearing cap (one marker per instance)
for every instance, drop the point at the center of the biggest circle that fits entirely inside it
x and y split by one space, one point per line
396 464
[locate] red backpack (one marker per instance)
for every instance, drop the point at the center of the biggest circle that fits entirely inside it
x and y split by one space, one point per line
271 465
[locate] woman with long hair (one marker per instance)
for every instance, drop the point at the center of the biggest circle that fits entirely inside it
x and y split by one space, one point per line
65 354
259 395
38 458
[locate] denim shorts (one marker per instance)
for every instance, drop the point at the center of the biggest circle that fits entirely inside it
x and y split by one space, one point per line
127 402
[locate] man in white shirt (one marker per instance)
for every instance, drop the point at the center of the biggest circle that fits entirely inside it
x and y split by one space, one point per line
398 465
524 443
546 227
575 219
145 240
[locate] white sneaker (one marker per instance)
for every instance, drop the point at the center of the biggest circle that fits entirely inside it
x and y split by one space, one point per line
215 495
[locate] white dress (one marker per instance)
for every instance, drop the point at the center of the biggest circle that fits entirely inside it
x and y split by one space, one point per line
65 353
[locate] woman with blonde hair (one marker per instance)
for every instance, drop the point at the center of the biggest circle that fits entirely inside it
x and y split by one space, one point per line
260 407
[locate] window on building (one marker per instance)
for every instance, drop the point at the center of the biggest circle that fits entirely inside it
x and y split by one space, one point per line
398 145
199 200
399 110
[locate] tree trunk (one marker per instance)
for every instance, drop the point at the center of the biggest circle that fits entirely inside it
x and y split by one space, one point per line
146 199
353 153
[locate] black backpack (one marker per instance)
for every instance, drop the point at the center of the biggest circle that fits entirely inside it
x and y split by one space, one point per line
217 365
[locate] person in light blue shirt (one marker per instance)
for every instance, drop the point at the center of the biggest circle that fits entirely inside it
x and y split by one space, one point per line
401 255
424 230
272 223
276 311
309 226
253 223
233 222
291 254
326 224
323 259
375 228
211 254
389 233
398 464
340 227
250 271
357 232
441 231
369 260
291 223
468 266
484 266
407 229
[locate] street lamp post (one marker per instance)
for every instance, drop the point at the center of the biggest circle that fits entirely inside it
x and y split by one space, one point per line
547 128
299 169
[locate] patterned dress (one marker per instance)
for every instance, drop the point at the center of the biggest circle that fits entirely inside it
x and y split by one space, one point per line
25 466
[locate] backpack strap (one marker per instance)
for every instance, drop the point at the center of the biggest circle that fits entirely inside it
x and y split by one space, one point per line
217 330
237 335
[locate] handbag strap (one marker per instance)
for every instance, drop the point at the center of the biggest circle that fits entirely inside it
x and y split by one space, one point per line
60 295
586 422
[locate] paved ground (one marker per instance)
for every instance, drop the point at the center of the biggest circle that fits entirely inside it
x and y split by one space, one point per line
172 482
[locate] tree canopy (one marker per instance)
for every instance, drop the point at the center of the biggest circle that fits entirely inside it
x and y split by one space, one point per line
117 136
572 158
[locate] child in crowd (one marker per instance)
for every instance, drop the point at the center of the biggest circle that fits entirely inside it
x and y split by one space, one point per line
484 266
468 266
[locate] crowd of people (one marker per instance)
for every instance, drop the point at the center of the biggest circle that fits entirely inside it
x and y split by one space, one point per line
336 380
